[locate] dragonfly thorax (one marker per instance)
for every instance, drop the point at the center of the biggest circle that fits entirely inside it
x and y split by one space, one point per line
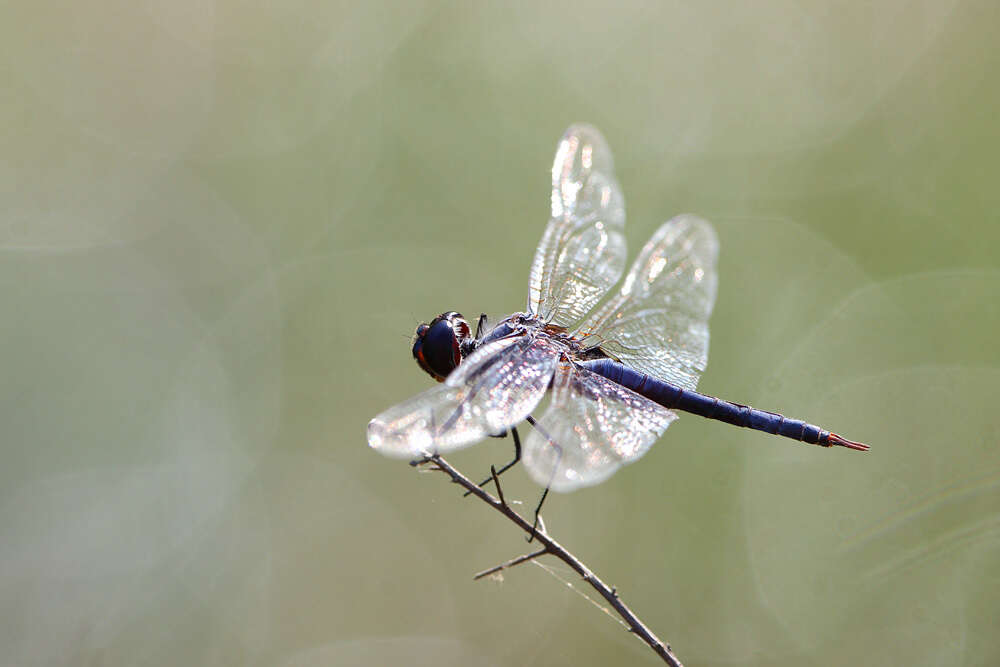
439 346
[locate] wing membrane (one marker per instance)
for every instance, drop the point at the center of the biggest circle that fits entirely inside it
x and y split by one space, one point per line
492 390
658 322
592 427
582 252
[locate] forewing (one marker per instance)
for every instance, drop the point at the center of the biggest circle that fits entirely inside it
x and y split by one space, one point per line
592 427
582 252
658 322
492 390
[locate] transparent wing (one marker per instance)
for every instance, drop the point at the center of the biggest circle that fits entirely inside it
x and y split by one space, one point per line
658 322
582 252
592 427
492 390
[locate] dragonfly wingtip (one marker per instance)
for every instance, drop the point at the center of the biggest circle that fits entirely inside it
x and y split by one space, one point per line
850 444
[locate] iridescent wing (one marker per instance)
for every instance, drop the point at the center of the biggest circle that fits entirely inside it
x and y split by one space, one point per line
592 427
582 252
496 387
658 322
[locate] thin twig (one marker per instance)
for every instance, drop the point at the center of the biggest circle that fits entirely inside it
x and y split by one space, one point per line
511 563
635 626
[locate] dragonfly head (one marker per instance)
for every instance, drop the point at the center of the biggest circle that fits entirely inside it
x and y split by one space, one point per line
438 346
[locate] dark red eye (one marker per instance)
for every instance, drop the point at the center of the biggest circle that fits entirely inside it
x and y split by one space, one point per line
437 346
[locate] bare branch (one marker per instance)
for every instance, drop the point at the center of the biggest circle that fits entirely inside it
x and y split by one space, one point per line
550 546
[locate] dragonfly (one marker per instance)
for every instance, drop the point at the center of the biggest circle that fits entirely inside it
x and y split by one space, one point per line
609 370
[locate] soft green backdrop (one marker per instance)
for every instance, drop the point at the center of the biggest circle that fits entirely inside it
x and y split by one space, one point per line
220 222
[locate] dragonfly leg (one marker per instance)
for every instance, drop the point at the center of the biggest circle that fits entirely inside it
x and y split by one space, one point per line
507 466
545 493
538 516
480 326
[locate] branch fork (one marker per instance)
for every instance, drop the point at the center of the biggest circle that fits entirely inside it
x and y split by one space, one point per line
549 547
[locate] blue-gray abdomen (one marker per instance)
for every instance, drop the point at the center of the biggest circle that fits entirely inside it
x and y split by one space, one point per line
678 398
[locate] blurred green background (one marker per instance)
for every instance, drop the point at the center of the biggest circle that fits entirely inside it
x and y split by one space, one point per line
220 223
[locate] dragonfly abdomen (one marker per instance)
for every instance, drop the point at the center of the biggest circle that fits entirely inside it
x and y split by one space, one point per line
677 398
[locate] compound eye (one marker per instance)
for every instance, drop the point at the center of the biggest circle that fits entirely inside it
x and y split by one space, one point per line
438 345
440 349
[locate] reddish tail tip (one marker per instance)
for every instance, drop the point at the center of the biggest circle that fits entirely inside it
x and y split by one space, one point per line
850 444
